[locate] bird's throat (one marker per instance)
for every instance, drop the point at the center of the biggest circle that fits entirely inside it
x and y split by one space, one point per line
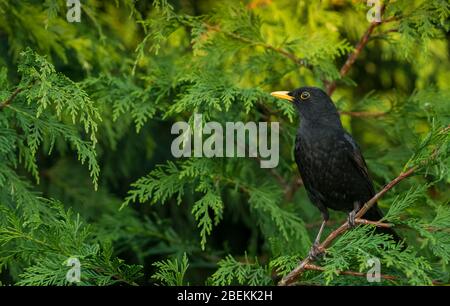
321 122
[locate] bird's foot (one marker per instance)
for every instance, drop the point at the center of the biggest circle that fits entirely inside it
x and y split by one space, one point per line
351 219
316 251
352 215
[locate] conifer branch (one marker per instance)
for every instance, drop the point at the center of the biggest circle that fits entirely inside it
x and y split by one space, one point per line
375 223
298 61
313 267
351 273
258 3
10 98
290 190
281 180
382 34
354 55
117 277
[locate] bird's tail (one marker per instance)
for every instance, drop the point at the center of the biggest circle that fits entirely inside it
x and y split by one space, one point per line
375 214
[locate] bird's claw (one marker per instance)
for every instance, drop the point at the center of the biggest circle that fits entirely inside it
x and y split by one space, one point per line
316 251
351 219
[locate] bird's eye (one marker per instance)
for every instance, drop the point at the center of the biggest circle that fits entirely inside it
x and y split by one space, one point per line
305 95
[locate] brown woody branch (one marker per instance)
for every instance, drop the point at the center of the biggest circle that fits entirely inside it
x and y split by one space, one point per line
382 34
374 223
354 55
10 98
357 221
291 188
352 273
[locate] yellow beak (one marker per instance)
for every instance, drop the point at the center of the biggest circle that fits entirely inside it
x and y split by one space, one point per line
282 95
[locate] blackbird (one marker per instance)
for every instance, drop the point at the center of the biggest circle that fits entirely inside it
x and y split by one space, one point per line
329 160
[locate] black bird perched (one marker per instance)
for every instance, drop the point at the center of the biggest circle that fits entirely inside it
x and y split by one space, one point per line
329 160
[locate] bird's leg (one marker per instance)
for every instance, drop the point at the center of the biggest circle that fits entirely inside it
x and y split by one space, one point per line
352 214
315 251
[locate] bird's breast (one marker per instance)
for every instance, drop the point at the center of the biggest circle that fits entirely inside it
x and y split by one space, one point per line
319 150
325 168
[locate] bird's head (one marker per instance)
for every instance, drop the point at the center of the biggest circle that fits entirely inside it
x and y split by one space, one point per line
312 104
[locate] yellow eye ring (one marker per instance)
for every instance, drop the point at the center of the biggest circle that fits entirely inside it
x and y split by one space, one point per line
305 95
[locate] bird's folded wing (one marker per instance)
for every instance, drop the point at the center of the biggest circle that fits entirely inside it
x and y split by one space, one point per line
358 161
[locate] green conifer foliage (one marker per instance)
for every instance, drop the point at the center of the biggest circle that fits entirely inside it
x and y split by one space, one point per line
86 170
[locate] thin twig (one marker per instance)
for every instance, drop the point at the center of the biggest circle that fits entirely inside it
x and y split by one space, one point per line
364 114
10 98
375 223
382 34
116 277
291 188
354 55
391 19
298 61
352 273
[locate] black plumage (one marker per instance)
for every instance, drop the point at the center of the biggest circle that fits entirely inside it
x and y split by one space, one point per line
329 160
